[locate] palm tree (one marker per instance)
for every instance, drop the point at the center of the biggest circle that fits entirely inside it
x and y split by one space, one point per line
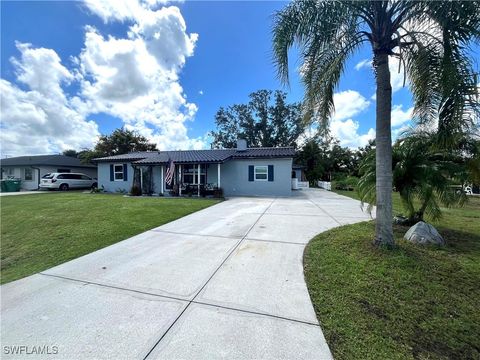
429 37
423 176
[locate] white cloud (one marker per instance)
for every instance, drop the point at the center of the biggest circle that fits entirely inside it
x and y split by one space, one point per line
396 75
120 10
347 132
364 64
41 119
201 92
348 104
137 78
400 117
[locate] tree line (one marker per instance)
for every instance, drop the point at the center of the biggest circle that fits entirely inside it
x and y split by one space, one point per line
120 141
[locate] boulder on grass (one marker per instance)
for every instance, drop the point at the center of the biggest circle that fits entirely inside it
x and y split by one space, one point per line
424 234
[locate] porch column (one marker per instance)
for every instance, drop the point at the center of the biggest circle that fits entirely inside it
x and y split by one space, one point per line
180 180
218 175
198 186
161 179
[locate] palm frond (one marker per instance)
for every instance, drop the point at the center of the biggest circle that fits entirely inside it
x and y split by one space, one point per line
440 71
326 33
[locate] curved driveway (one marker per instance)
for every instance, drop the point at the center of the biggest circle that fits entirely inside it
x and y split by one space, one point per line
225 282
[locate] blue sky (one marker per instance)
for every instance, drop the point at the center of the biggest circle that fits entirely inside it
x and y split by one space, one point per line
84 68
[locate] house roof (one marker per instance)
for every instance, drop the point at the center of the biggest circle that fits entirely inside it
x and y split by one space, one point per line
45 160
200 156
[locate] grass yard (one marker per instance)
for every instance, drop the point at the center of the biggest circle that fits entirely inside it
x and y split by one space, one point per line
41 231
411 302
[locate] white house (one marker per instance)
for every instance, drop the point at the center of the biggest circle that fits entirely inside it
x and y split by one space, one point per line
30 169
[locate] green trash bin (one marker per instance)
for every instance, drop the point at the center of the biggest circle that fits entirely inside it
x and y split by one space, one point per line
16 184
12 185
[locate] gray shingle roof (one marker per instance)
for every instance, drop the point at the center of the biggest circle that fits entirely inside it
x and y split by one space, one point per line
45 160
200 156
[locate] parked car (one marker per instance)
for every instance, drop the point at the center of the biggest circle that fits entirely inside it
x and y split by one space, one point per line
65 181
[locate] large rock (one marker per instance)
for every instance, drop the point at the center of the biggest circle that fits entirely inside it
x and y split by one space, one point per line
425 234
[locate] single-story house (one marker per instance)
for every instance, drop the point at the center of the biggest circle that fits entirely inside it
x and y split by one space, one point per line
30 169
239 171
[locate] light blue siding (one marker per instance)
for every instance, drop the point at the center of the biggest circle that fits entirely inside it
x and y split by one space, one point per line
212 172
114 186
234 178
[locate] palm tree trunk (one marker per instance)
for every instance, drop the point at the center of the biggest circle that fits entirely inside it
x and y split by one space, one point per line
383 224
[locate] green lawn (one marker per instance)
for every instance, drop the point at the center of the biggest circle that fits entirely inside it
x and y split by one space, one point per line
41 231
411 302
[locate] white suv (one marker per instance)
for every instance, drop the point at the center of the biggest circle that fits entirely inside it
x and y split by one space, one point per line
65 181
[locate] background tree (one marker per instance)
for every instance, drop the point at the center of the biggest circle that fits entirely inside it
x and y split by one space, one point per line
429 37
310 156
267 120
70 153
325 159
123 141
120 141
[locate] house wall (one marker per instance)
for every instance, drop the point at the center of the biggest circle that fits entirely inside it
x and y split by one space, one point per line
157 179
114 186
212 174
19 173
234 178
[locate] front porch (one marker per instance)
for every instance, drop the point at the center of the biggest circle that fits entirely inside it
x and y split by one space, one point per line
188 179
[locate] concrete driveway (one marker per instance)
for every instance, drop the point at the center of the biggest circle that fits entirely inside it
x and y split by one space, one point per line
225 282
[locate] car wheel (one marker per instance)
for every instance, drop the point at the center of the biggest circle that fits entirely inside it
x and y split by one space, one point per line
63 187
94 185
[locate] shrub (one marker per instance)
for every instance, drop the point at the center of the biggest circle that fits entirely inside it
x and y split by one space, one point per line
218 193
135 191
95 190
347 183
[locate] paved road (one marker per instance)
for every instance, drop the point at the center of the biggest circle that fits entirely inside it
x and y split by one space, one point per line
225 282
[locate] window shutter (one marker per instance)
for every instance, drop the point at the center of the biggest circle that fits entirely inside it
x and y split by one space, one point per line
250 172
125 177
270 172
111 172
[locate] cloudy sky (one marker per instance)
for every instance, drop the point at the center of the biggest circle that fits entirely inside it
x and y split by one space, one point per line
72 70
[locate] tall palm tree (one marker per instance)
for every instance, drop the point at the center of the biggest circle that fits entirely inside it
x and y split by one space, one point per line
431 40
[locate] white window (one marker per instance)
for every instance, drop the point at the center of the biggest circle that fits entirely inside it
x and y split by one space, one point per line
28 174
261 173
190 174
118 172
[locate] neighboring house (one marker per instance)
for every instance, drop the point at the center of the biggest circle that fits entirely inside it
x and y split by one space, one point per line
30 169
240 171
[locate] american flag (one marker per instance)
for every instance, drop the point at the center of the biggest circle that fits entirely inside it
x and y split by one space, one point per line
170 172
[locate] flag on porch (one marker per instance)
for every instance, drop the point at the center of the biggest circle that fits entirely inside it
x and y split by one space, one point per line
170 172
